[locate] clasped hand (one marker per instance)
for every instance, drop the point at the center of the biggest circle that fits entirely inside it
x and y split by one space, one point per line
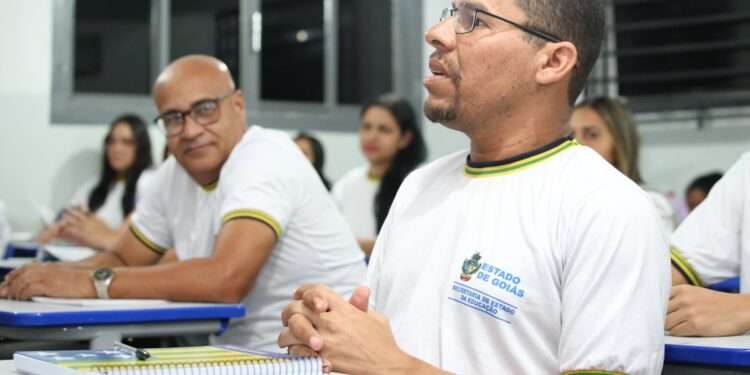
345 334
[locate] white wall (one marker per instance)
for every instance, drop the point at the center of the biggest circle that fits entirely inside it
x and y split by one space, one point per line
45 162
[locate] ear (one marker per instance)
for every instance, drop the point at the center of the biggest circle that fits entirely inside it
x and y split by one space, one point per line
405 139
238 101
556 61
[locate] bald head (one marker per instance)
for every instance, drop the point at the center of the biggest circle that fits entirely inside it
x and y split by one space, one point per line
201 70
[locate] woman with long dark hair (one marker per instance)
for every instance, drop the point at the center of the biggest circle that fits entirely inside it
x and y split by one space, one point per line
99 209
313 150
392 143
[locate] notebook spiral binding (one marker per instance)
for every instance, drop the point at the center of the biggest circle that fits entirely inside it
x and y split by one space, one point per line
267 366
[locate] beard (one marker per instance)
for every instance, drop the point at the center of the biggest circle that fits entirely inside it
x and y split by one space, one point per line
442 114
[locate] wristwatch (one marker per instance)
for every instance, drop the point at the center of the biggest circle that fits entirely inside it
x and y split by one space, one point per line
101 278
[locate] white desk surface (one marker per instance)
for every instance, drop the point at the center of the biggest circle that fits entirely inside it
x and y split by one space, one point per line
7 368
24 307
729 342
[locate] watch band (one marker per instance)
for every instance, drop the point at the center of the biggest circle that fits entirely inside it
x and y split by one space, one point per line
101 279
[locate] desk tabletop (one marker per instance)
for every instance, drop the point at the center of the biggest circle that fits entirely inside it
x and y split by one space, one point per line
35 314
720 351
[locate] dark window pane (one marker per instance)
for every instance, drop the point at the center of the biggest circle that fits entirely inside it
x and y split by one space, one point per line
209 28
365 67
292 55
112 47
683 47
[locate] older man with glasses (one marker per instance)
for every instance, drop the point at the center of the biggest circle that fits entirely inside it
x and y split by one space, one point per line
526 254
246 213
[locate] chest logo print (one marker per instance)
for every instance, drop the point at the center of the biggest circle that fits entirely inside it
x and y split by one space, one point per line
470 267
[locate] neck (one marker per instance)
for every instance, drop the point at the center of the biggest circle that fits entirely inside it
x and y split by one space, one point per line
378 170
499 139
206 178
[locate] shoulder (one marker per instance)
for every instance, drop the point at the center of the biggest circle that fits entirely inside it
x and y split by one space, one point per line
352 176
443 166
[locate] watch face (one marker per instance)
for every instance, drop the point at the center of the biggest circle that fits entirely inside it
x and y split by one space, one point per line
103 274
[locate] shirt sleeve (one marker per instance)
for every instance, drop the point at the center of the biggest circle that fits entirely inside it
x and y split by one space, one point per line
150 223
614 287
265 191
706 247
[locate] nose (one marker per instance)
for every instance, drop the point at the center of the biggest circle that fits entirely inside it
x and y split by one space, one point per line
191 129
442 35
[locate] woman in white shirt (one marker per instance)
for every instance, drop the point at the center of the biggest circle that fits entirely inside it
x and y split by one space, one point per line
606 125
99 209
392 143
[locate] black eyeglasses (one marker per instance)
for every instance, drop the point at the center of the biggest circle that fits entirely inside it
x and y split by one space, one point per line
466 20
204 112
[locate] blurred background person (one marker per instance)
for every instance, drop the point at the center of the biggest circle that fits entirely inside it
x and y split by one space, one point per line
392 143
313 150
99 209
606 125
699 188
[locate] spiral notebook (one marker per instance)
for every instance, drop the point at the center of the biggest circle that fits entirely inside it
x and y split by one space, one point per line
213 360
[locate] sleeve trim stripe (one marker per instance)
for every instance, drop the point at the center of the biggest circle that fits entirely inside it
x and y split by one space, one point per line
593 372
151 245
683 266
257 215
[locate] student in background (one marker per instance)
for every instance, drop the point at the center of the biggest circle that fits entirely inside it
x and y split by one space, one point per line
100 207
606 125
699 188
392 143
711 245
313 150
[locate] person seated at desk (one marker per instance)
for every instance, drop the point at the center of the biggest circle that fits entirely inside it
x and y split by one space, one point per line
392 142
246 214
698 189
511 258
99 209
314 152
606 125
712 244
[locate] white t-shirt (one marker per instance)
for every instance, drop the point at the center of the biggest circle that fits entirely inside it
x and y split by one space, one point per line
548 263
713 242
111 210
266 178
354 194
664 210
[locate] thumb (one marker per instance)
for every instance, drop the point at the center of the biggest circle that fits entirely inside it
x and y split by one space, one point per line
361 298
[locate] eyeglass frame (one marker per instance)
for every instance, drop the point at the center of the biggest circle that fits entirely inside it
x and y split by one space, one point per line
451 12
189 112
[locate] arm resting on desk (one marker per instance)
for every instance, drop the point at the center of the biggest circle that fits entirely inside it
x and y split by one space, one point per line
697 311
242 247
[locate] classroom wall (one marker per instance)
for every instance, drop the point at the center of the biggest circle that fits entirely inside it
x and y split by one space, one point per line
43 162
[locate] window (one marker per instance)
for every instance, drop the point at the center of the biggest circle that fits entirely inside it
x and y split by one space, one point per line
109 47
301 64
677 55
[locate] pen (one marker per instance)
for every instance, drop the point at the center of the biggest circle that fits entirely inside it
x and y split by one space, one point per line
141 354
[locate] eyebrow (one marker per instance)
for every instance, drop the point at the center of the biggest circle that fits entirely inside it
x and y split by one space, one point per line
473 5
193 104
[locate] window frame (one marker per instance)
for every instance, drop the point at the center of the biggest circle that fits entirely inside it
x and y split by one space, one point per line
69 107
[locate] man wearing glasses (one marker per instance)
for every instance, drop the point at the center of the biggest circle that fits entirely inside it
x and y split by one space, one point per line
244 210
528 254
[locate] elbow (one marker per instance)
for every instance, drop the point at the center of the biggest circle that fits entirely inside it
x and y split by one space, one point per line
232 289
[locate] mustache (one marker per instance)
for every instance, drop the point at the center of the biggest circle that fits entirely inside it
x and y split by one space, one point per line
452 68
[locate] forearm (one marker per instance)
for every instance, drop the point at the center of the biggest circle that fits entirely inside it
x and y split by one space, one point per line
106 259
677 277
203 279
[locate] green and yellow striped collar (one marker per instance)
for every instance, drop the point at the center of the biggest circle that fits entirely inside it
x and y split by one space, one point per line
520 162
210 187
